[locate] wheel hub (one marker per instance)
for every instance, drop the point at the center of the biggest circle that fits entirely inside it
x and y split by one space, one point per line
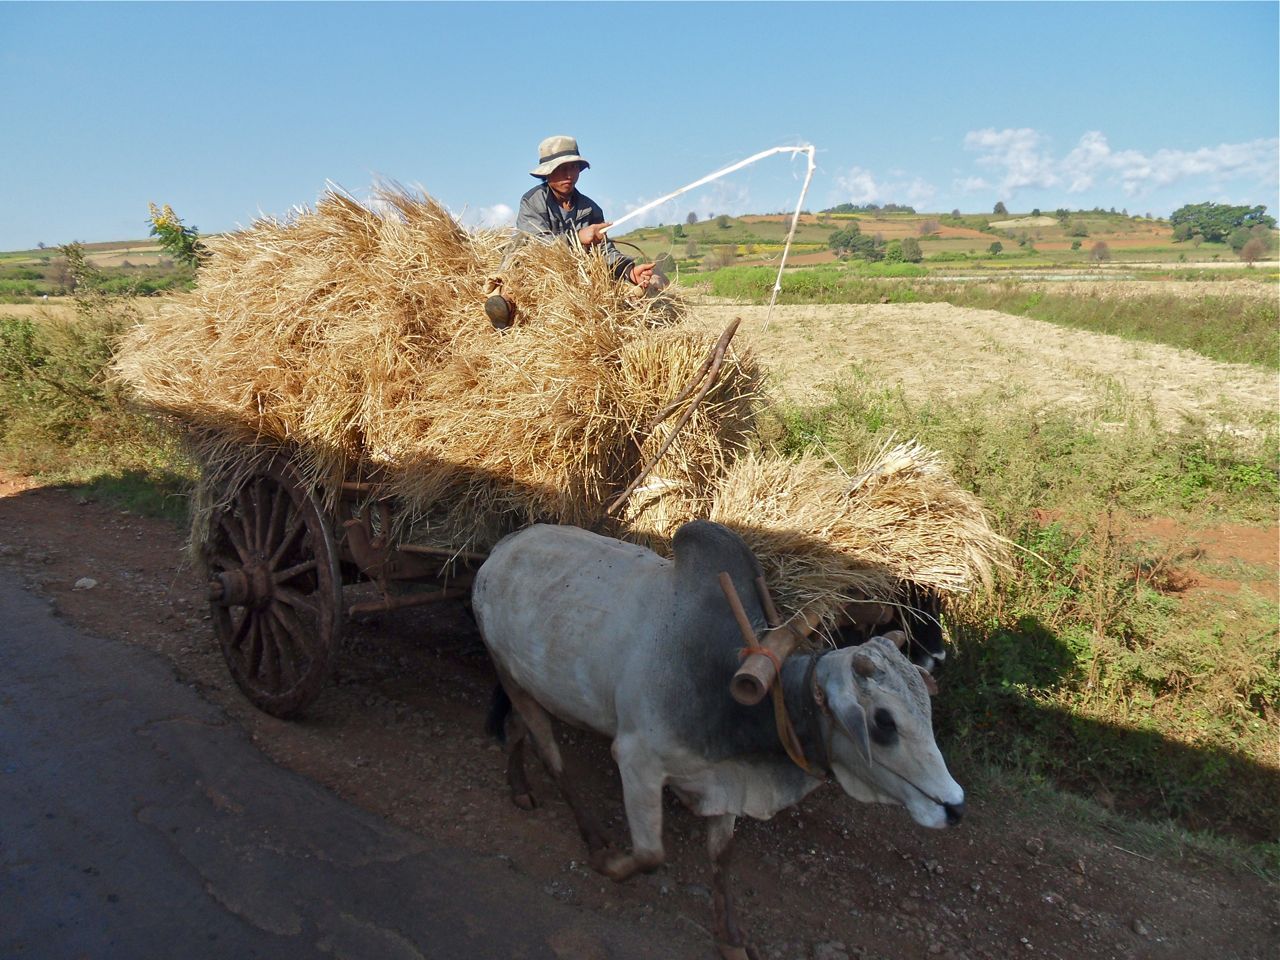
250 586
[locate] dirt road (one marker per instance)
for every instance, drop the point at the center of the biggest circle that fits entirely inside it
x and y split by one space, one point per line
398 732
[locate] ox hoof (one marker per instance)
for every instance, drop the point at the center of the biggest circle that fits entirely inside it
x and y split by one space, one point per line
745 952
524 801
622 866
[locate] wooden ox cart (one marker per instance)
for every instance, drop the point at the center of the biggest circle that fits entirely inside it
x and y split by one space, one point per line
278 561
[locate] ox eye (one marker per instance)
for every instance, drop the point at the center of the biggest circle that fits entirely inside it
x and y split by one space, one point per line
885 730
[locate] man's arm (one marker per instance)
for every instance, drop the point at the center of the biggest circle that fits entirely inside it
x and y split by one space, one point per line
534 218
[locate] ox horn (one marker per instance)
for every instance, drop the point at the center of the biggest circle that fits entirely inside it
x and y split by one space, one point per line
897 637
760 669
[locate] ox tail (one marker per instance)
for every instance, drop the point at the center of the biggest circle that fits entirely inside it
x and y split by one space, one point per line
495 724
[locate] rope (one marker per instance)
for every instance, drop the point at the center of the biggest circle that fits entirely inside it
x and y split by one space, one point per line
807 149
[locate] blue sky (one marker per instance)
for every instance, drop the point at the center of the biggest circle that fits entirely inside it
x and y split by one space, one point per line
231 110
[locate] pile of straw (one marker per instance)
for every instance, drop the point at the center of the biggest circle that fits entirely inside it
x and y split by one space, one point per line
355 335
826 539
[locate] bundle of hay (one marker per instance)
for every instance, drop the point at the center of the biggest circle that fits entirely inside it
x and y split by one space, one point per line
355 335
827 539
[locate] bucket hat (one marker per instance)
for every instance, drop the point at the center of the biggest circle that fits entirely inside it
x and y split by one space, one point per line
554 151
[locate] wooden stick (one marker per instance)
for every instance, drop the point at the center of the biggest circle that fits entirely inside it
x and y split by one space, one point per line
671 407
771 614
758 672
443 552
718 358
739 614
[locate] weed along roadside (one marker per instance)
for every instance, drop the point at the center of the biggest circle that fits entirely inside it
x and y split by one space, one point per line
1120 680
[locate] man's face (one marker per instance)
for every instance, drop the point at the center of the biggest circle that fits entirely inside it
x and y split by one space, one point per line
563 178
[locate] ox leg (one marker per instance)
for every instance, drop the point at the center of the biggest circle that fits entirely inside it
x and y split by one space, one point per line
537 722
517 780
642 781
730 940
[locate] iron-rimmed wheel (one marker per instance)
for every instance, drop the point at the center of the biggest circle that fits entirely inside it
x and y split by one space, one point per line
275 590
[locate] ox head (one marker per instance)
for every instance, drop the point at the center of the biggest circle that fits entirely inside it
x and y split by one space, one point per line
877 720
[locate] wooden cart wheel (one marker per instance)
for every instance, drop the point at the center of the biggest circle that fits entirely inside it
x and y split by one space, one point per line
275 590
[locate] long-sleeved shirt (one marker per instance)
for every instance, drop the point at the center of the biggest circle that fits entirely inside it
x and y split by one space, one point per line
542 217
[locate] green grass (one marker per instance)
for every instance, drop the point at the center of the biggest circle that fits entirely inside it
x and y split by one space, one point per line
66 422
1084 668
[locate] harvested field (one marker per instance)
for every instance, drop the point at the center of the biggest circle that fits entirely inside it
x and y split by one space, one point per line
1129 289
939 350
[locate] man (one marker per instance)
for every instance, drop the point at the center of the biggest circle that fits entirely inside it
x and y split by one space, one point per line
555 208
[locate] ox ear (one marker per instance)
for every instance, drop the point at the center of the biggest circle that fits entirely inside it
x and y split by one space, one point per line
846 711
930 684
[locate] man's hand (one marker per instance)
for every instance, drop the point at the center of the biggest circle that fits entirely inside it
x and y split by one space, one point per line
642 274
593 233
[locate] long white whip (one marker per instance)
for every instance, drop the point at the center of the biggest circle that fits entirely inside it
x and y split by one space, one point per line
806 149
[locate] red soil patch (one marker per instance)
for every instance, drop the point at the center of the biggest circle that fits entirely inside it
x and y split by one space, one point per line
1244 554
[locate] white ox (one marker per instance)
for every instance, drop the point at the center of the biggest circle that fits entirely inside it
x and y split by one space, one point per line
609 636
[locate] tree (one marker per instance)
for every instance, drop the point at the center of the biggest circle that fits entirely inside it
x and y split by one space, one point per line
928 227
677 231
1238 238
1035 212
1075 244
1253 251
723 255
1077 228
893 252
722 221
1182 232
842 241
180 242
1215 221
692 218
995 248
1000 209
955 212
1100 252
40 245
911 251
691 250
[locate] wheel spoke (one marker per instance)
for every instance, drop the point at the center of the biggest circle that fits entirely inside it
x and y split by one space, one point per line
253 660
235 536
284 576
287 675
289 622
290 534
270 664
298 602
293 658
276 517
258 533
242 630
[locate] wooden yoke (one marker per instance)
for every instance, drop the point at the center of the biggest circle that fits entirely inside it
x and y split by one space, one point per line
764 657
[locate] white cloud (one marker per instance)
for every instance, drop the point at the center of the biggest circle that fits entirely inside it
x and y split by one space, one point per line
498 215
1019 154
1022 159
972 184
860 185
